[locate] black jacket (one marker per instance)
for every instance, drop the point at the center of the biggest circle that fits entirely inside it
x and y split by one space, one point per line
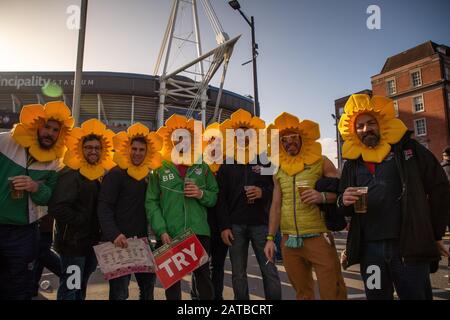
74 207
425 203
446 166
232 207
121 206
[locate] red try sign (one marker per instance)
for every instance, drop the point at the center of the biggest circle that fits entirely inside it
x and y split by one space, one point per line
182 256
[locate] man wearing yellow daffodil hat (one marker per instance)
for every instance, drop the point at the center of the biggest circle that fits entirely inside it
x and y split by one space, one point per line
121 205
398 197
307 242
243 205
29 158
74 203
179 194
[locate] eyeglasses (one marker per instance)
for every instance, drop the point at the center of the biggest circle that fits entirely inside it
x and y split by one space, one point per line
290 137
92 148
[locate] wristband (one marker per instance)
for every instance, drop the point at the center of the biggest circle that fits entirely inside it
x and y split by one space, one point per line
270 237
324 197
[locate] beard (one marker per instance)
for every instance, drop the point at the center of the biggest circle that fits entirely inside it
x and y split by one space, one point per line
44 144
371 139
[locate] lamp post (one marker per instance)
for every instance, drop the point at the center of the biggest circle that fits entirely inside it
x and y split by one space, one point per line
236 6
338 140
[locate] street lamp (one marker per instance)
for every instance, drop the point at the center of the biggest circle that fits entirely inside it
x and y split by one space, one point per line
236 6
338 140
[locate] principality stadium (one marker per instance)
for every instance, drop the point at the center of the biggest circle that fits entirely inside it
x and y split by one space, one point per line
117 99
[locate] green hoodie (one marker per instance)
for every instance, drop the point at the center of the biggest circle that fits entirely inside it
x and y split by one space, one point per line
169 211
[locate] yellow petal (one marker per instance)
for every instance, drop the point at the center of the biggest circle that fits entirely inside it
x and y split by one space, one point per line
24 136
312 152
71 160
356 103
393 131
93 126
92 172
108 163
351 150
137 129
138 173
41 154
155 140
121 160
377 154
176 121
31 112
286 120
309 129
383 105
120 141
57 110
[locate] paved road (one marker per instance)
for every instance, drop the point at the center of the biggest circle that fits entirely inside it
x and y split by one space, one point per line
98 288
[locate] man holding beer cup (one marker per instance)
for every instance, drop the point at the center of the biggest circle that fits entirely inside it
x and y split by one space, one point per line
398 197
29 158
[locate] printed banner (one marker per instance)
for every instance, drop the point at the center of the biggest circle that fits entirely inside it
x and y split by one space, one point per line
116 262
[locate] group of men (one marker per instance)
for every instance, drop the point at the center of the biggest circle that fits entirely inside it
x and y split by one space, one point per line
97 197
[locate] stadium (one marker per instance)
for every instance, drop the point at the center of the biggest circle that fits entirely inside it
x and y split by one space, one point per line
117 99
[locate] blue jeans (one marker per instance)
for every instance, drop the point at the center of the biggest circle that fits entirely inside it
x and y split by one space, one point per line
118 287
18 252
87 265
46 258
243 235
410 280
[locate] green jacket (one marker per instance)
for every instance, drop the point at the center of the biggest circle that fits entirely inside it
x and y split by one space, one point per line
169 211
13 162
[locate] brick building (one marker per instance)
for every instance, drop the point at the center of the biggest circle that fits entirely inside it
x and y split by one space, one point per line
418 80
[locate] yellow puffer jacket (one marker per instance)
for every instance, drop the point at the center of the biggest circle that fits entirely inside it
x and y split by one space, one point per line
305 219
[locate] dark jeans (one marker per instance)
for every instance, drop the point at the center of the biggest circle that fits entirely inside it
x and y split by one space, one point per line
277 241
87 265
47 258
218 254
203 288
243 235
118 287
18 252
410 280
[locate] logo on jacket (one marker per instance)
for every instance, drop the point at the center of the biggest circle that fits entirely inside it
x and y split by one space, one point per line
408 154
198 171
256 169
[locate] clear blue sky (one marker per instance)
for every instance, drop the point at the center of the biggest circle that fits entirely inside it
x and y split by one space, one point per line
311 51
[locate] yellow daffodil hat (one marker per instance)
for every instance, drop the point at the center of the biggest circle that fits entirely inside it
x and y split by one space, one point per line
173 123
32 117
241 119
310 151
122 145
74 157
391 128
213 131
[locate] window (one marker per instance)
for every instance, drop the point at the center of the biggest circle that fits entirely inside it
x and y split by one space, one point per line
416 79
447 73
418 104
391 89
420 127
341 111
396 108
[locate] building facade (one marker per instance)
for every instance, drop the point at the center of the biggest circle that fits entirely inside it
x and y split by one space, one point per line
418 80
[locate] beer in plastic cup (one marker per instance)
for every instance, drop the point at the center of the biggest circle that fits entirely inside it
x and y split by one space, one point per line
361 204
246 188
303 185
15 194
